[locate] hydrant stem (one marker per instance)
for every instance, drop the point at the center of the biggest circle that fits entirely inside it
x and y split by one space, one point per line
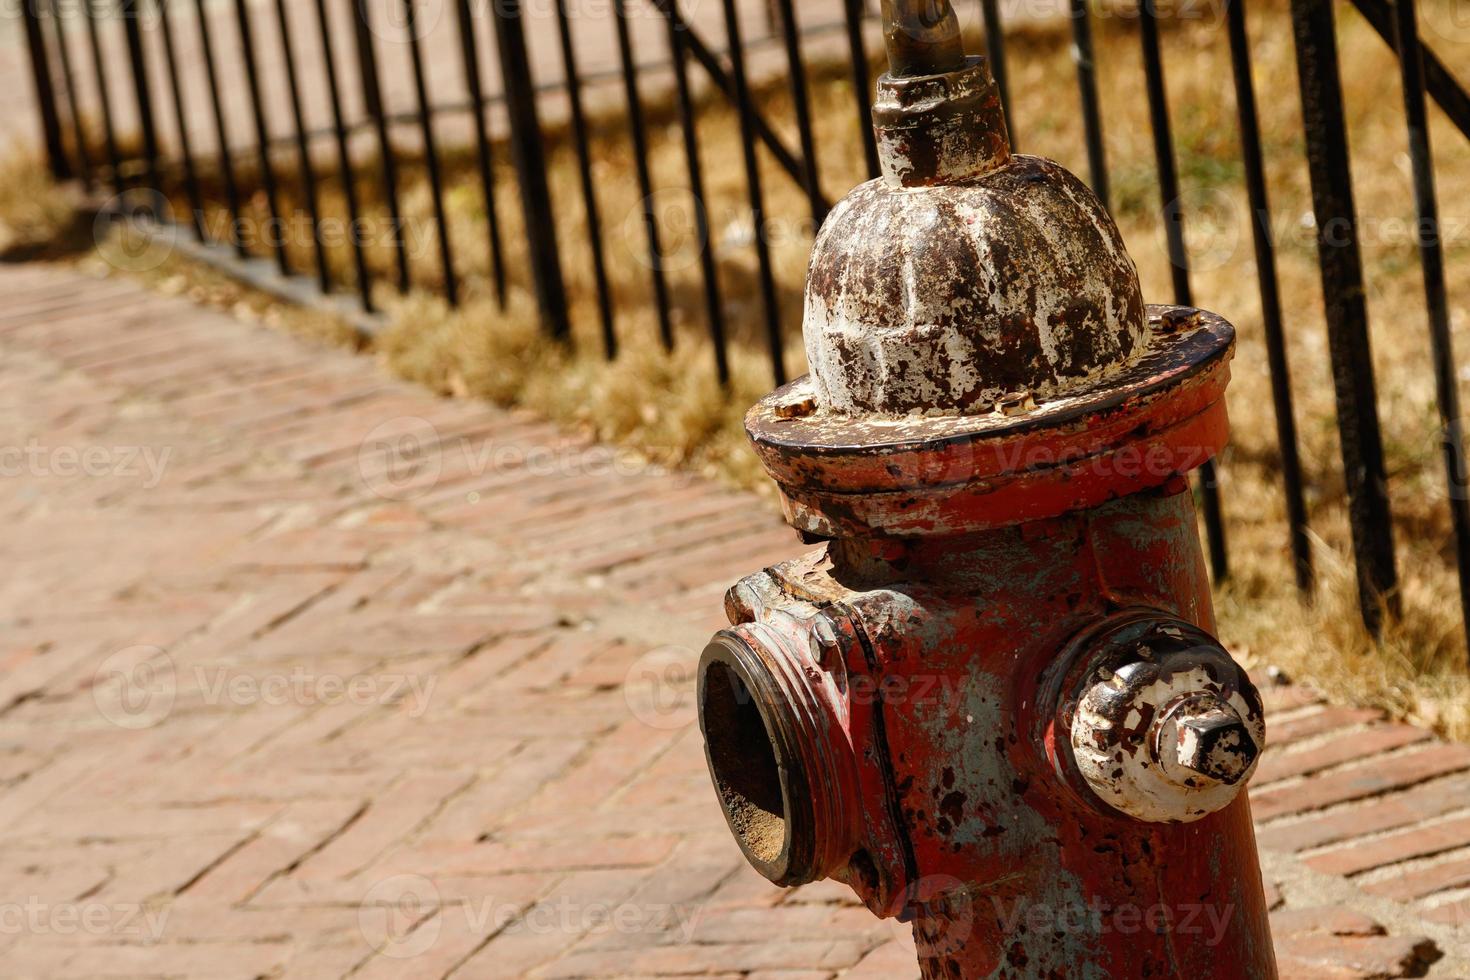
923 37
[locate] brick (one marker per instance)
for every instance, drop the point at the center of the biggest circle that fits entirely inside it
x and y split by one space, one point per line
1416 842
825 955
1277 766
1354 956
1316 721
1455 914
297 831
1372 778
385 821
1422 881
1323 921
896 959
1286 697
552 925
1399 809
204 960
520 856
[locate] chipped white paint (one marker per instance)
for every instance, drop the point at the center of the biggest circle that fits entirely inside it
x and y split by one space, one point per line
1051 300
1134 779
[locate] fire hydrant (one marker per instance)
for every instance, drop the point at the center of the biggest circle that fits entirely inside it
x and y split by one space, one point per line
991 701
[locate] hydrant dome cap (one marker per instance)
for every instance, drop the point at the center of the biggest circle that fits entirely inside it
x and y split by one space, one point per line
944 300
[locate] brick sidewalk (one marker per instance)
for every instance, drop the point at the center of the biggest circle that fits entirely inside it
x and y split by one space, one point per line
308 674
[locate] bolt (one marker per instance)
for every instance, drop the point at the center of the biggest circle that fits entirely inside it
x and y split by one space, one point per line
798 408
1178 320
1210 740
1016 403
826 649
742 604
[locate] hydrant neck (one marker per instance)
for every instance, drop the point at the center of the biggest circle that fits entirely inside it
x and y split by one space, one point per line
946 128
938 114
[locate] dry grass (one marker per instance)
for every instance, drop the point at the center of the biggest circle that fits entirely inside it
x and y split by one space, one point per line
35 211
671 408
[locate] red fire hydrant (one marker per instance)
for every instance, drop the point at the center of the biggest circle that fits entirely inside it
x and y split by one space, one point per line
991 702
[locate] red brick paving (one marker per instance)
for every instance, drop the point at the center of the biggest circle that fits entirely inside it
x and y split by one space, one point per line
310 674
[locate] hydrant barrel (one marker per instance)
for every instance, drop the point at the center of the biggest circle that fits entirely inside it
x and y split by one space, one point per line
992 701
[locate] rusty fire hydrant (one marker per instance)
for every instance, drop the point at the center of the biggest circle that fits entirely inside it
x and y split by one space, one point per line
991 702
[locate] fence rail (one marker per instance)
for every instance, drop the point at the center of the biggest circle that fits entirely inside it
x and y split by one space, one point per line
329 53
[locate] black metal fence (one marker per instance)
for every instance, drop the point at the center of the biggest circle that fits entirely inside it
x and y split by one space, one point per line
709 46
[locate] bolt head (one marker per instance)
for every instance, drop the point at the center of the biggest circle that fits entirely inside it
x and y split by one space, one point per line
1210 740
826 649
742 604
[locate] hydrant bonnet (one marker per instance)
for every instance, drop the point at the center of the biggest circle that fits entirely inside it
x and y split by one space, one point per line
964 274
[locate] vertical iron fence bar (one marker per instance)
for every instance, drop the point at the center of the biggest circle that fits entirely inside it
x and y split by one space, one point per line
40 61
1431 253
226 161
470 55
99 71
1173 216
995 48
303 151
589 189
276 233
130 11
803 111
181 120
1341 262
530 161
431 152
74 107
1265 250
344 158
862 83
645 179
714 309
1082 53
757 196
367 63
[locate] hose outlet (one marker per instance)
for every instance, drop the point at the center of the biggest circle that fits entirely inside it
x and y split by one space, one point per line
1156 721
779 756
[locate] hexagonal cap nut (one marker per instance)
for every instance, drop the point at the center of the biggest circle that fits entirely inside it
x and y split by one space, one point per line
1214 742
